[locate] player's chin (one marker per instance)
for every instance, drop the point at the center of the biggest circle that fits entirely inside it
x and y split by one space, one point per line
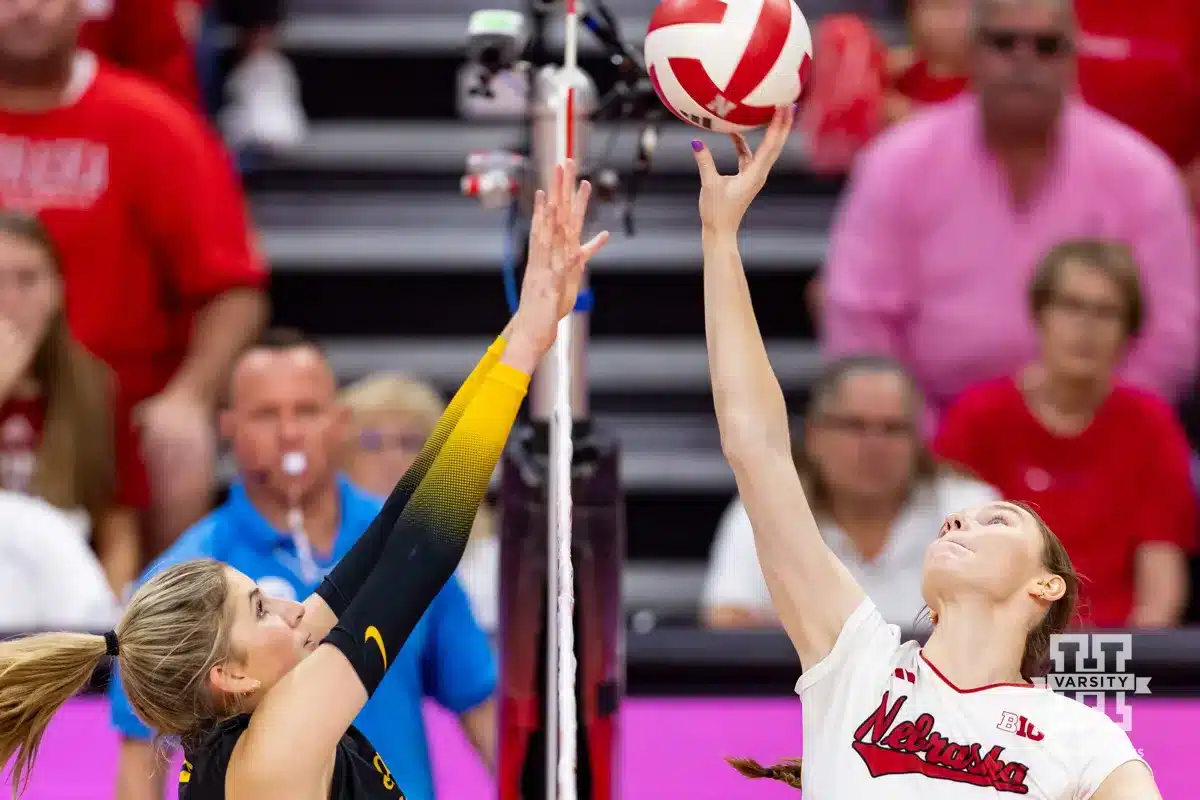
953 563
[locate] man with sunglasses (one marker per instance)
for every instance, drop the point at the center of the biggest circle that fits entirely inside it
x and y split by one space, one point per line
289 517
948 213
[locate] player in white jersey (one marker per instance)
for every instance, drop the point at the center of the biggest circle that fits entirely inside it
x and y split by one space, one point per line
880 719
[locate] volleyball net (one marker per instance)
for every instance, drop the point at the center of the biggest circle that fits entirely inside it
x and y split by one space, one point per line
562 525
562 755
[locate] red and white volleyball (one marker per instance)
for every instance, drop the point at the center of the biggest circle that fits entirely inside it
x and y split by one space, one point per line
726 65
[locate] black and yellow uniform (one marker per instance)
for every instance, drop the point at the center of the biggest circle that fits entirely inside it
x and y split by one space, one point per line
358 771
383 586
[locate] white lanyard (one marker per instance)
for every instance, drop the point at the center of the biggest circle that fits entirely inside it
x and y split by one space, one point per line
310 570
294 464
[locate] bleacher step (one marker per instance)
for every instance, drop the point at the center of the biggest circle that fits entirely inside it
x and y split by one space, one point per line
441 146
613 365
675 453
402 232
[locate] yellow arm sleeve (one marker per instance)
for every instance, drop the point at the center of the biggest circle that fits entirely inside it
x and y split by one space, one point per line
449 419
449 495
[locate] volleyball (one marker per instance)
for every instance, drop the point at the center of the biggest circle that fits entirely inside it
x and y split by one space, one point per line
726 65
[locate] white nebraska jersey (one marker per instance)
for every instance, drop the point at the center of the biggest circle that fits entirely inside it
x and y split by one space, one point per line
881 722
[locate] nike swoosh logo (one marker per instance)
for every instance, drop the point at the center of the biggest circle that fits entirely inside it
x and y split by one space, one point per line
373 635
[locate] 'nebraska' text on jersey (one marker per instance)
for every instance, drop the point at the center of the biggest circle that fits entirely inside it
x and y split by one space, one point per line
880 720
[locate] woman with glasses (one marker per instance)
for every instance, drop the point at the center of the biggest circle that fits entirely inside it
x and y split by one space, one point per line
877 493
1107 465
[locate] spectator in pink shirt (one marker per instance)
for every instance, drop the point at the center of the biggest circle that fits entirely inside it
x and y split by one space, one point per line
948 213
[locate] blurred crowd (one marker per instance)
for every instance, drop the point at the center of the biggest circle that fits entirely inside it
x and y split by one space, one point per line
1010 308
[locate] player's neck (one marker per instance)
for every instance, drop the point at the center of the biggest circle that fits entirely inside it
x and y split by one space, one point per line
973 647
320 510
33 87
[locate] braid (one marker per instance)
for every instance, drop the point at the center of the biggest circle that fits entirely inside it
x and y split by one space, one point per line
788 770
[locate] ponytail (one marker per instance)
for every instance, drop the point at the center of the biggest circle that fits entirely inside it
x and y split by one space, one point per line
787 771
38 674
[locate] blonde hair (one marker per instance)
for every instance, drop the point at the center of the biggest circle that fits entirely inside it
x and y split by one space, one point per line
1035 659
76 457
394 393
176 629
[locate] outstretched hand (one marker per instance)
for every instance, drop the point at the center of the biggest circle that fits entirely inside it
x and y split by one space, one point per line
725 198
557 259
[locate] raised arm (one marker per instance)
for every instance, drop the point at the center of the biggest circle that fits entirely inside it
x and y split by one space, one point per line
338 589
809 587
287 750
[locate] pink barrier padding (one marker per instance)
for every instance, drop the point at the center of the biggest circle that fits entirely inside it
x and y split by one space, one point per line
670 748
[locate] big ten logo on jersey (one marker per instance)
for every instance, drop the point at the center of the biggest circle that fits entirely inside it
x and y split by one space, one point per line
275 587
1020 725
1096 673
37 174
389 782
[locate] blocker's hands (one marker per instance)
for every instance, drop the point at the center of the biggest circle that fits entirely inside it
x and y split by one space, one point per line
725 198
557 260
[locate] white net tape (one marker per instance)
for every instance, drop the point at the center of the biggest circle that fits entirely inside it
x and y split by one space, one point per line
560 739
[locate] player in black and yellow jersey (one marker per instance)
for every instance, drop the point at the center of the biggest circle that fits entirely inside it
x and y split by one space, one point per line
261 691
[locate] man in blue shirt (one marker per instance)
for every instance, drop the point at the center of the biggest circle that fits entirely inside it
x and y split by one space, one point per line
287 521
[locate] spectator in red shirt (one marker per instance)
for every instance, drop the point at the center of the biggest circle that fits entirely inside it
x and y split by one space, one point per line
1106 465
162 279
65 432
934 68
155 38
1141 63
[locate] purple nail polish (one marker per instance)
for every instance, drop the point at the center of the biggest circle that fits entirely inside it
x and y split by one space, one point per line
697 145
